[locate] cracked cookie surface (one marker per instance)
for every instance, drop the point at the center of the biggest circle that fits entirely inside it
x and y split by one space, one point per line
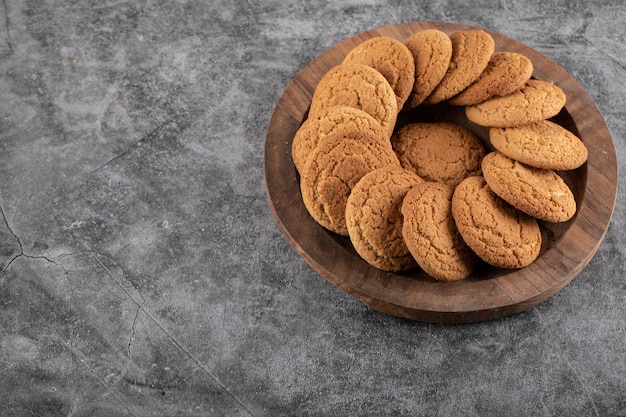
333 120
471 51
360 86
391 58
443 152
537 100
334 167
506 72
542 144
374 218
432 51
498 233
431 234
540 193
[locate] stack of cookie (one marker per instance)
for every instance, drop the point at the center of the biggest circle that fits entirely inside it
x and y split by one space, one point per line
428 194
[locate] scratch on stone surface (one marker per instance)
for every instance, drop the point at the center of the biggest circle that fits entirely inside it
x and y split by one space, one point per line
21 248
121 155
132 332
571 367
621 64
139 301
83 359
583 386
6 23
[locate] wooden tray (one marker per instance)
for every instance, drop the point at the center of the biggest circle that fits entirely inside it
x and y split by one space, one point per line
490 292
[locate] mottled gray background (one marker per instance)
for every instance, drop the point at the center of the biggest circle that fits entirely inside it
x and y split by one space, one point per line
143 273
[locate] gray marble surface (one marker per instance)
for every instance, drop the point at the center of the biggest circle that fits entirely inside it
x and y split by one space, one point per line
142 272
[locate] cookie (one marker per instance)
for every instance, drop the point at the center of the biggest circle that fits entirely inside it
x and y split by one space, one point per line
334 167
537 100
542 144
360 86
506 72
339 119
443 152
374 218
471 51
391 58
497 232
540 193
432 51
431 235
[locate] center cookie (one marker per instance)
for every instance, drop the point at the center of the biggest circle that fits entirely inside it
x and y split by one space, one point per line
442 152
374 218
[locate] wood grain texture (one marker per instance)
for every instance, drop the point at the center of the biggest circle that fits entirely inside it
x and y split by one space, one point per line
489 292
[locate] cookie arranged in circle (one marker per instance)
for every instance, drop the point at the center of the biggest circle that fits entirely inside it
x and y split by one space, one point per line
391 58
334 167
360 86
374 218
497 232
431 234
506 72
542 144
338 119
443 152
471 51
540 193
537 100
432 51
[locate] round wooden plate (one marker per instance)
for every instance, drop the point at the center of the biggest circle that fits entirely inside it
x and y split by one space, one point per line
489 292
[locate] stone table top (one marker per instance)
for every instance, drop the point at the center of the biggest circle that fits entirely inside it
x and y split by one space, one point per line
142 272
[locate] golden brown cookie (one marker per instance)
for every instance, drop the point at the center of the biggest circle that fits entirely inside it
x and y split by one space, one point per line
432 51
505 73
540 193
360 86
471 51
498 233
334 167
391 58
338 119
374 218
431 234
542 144
537 100
443 152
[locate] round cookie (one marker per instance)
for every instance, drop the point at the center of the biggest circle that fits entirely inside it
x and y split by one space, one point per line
374 218
360 86
537 100
471 51
432 51
334 167
338 119
542 144
540 193
431 234
505 73
498 233
391 58
443 152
